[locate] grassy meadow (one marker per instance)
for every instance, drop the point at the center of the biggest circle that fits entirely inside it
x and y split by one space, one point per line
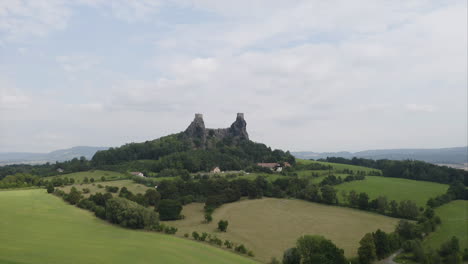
454 217
269 226
36 227
96 174
93 187
395 188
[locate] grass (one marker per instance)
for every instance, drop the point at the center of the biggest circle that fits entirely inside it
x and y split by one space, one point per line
395 188
36 227
454 217
269 226
337 166
93 187
96 174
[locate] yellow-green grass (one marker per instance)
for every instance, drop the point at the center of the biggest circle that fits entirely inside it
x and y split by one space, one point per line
96 174
269 226
93 187
36 227
395 188
454 217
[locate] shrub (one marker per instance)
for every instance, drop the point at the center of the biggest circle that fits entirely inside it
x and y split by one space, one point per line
112 189
241 249
222 225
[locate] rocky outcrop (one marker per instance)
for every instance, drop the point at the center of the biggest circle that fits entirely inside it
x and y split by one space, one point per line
197 131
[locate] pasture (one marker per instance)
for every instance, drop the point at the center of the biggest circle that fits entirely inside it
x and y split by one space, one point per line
93 187
454 217
36 227
96 174
395 188
269 226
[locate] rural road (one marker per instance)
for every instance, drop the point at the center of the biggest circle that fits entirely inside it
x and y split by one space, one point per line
389 260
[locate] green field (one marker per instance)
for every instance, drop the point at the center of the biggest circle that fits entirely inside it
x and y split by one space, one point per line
269 226
36 227
454 217
96 174
395 188
338 166
93 187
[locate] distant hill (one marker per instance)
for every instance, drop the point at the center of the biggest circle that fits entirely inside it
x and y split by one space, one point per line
57 155
457 155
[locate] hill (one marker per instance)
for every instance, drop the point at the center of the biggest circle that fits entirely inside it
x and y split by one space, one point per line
457 155
195 149
51 231
40 158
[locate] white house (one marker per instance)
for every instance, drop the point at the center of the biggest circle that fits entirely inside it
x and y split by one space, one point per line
137 173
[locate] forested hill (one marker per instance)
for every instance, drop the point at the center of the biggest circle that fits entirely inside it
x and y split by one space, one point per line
196 149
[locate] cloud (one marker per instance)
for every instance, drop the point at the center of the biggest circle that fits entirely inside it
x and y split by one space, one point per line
77 63
420 108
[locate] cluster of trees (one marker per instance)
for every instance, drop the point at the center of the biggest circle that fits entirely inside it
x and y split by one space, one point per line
404 209
127 210
47 169
212 239
378 245
448 253
177 152
20 180
314 249
456 191
333 180
409 169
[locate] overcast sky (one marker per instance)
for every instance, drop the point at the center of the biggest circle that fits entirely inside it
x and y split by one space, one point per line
309 75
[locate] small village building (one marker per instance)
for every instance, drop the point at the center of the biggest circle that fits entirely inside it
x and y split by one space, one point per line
60 170
216 170
137 173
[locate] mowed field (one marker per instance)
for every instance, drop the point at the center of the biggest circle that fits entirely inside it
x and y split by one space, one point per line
395 188
36 227
96 174
454 217
269 226
93 187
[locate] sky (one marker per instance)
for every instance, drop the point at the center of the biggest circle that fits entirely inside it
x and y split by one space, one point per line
309 75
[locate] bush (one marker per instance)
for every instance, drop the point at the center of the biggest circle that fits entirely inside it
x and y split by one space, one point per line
86 190
222 225
112 189
241 249
50 188
195 235
186 235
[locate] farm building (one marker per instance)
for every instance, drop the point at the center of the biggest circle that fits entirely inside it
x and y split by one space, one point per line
137 173
274 166
216 170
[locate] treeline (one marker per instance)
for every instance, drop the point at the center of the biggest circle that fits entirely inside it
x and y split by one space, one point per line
215 192
176 152
47 169
456 191
408 169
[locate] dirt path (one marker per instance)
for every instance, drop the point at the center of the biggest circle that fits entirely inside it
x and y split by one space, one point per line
389 260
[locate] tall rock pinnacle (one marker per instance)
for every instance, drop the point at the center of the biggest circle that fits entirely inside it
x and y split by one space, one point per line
239 127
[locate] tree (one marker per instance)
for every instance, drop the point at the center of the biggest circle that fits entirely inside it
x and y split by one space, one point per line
129 214
91 180
328 194
153 197
291 256
363 201
208 217
169 209
50 188
74 196
382 244
366 251
316 249
85 180
222 225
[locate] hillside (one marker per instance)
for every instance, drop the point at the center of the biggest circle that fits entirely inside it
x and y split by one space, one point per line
195 149
51 231
40 158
